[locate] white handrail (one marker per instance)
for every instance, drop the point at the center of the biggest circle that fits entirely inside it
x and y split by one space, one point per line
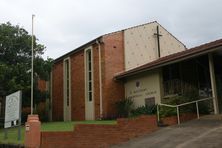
179 105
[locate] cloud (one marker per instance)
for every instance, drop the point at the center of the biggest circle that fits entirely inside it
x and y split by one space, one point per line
64 25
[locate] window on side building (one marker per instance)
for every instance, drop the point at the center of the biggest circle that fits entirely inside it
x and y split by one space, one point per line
171 79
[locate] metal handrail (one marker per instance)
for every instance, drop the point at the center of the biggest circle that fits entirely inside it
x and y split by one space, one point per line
179 105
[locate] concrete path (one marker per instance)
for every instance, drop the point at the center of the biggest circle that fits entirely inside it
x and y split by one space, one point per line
203 133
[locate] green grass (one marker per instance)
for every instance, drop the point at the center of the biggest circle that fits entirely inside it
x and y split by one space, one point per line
12 136
68 126
48 126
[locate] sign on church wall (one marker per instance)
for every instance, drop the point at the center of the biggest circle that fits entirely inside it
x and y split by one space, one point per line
142 89
13 109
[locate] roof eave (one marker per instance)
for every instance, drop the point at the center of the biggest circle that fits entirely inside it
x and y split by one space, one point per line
77 49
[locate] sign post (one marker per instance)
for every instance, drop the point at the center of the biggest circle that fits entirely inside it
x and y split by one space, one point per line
13 106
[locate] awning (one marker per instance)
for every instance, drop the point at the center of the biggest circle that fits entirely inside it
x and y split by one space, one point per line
173 58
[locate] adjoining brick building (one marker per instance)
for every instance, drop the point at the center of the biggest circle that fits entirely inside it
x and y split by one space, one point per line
138 63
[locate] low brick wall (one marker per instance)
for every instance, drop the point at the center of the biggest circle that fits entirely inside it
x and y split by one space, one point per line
183 118
11 146
100 136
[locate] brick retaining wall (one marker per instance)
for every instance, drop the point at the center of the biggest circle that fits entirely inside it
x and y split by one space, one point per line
183 118
100 136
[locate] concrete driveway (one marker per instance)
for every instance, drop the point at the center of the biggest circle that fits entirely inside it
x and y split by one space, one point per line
203 133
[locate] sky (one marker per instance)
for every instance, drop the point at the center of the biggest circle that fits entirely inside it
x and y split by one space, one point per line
63 25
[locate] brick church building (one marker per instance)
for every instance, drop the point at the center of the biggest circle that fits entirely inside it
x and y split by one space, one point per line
131 63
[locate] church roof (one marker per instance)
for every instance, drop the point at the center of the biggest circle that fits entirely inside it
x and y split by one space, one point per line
173 58
78 49
100 37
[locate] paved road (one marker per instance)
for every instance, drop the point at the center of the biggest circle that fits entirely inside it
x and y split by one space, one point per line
203 133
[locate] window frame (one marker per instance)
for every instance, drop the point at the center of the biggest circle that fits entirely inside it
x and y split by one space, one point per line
89 74
67 81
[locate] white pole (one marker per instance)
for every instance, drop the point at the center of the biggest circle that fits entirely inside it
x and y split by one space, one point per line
32 68
100 82
198 115
213 83
158 113
178 115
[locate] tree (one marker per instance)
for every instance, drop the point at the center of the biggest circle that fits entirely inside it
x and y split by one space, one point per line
15 61
43 67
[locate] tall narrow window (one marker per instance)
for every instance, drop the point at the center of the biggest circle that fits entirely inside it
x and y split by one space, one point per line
67 81
89 74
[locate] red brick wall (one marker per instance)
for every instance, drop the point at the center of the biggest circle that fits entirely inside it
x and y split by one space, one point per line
78 86
113 62
57 91
92 135
112 54
41 85
96 80
172 120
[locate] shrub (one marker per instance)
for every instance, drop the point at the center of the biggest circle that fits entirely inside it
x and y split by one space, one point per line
41 110
124 107
25 112
204 107
165 111
144 110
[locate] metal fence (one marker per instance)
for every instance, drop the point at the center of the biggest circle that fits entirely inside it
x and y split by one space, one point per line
183 104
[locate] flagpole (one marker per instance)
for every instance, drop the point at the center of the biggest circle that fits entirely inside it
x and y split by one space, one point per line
32 66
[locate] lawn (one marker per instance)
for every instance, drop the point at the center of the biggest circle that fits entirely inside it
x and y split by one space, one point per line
48 126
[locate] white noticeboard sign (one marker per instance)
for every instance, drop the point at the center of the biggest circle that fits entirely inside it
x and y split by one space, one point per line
13 109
